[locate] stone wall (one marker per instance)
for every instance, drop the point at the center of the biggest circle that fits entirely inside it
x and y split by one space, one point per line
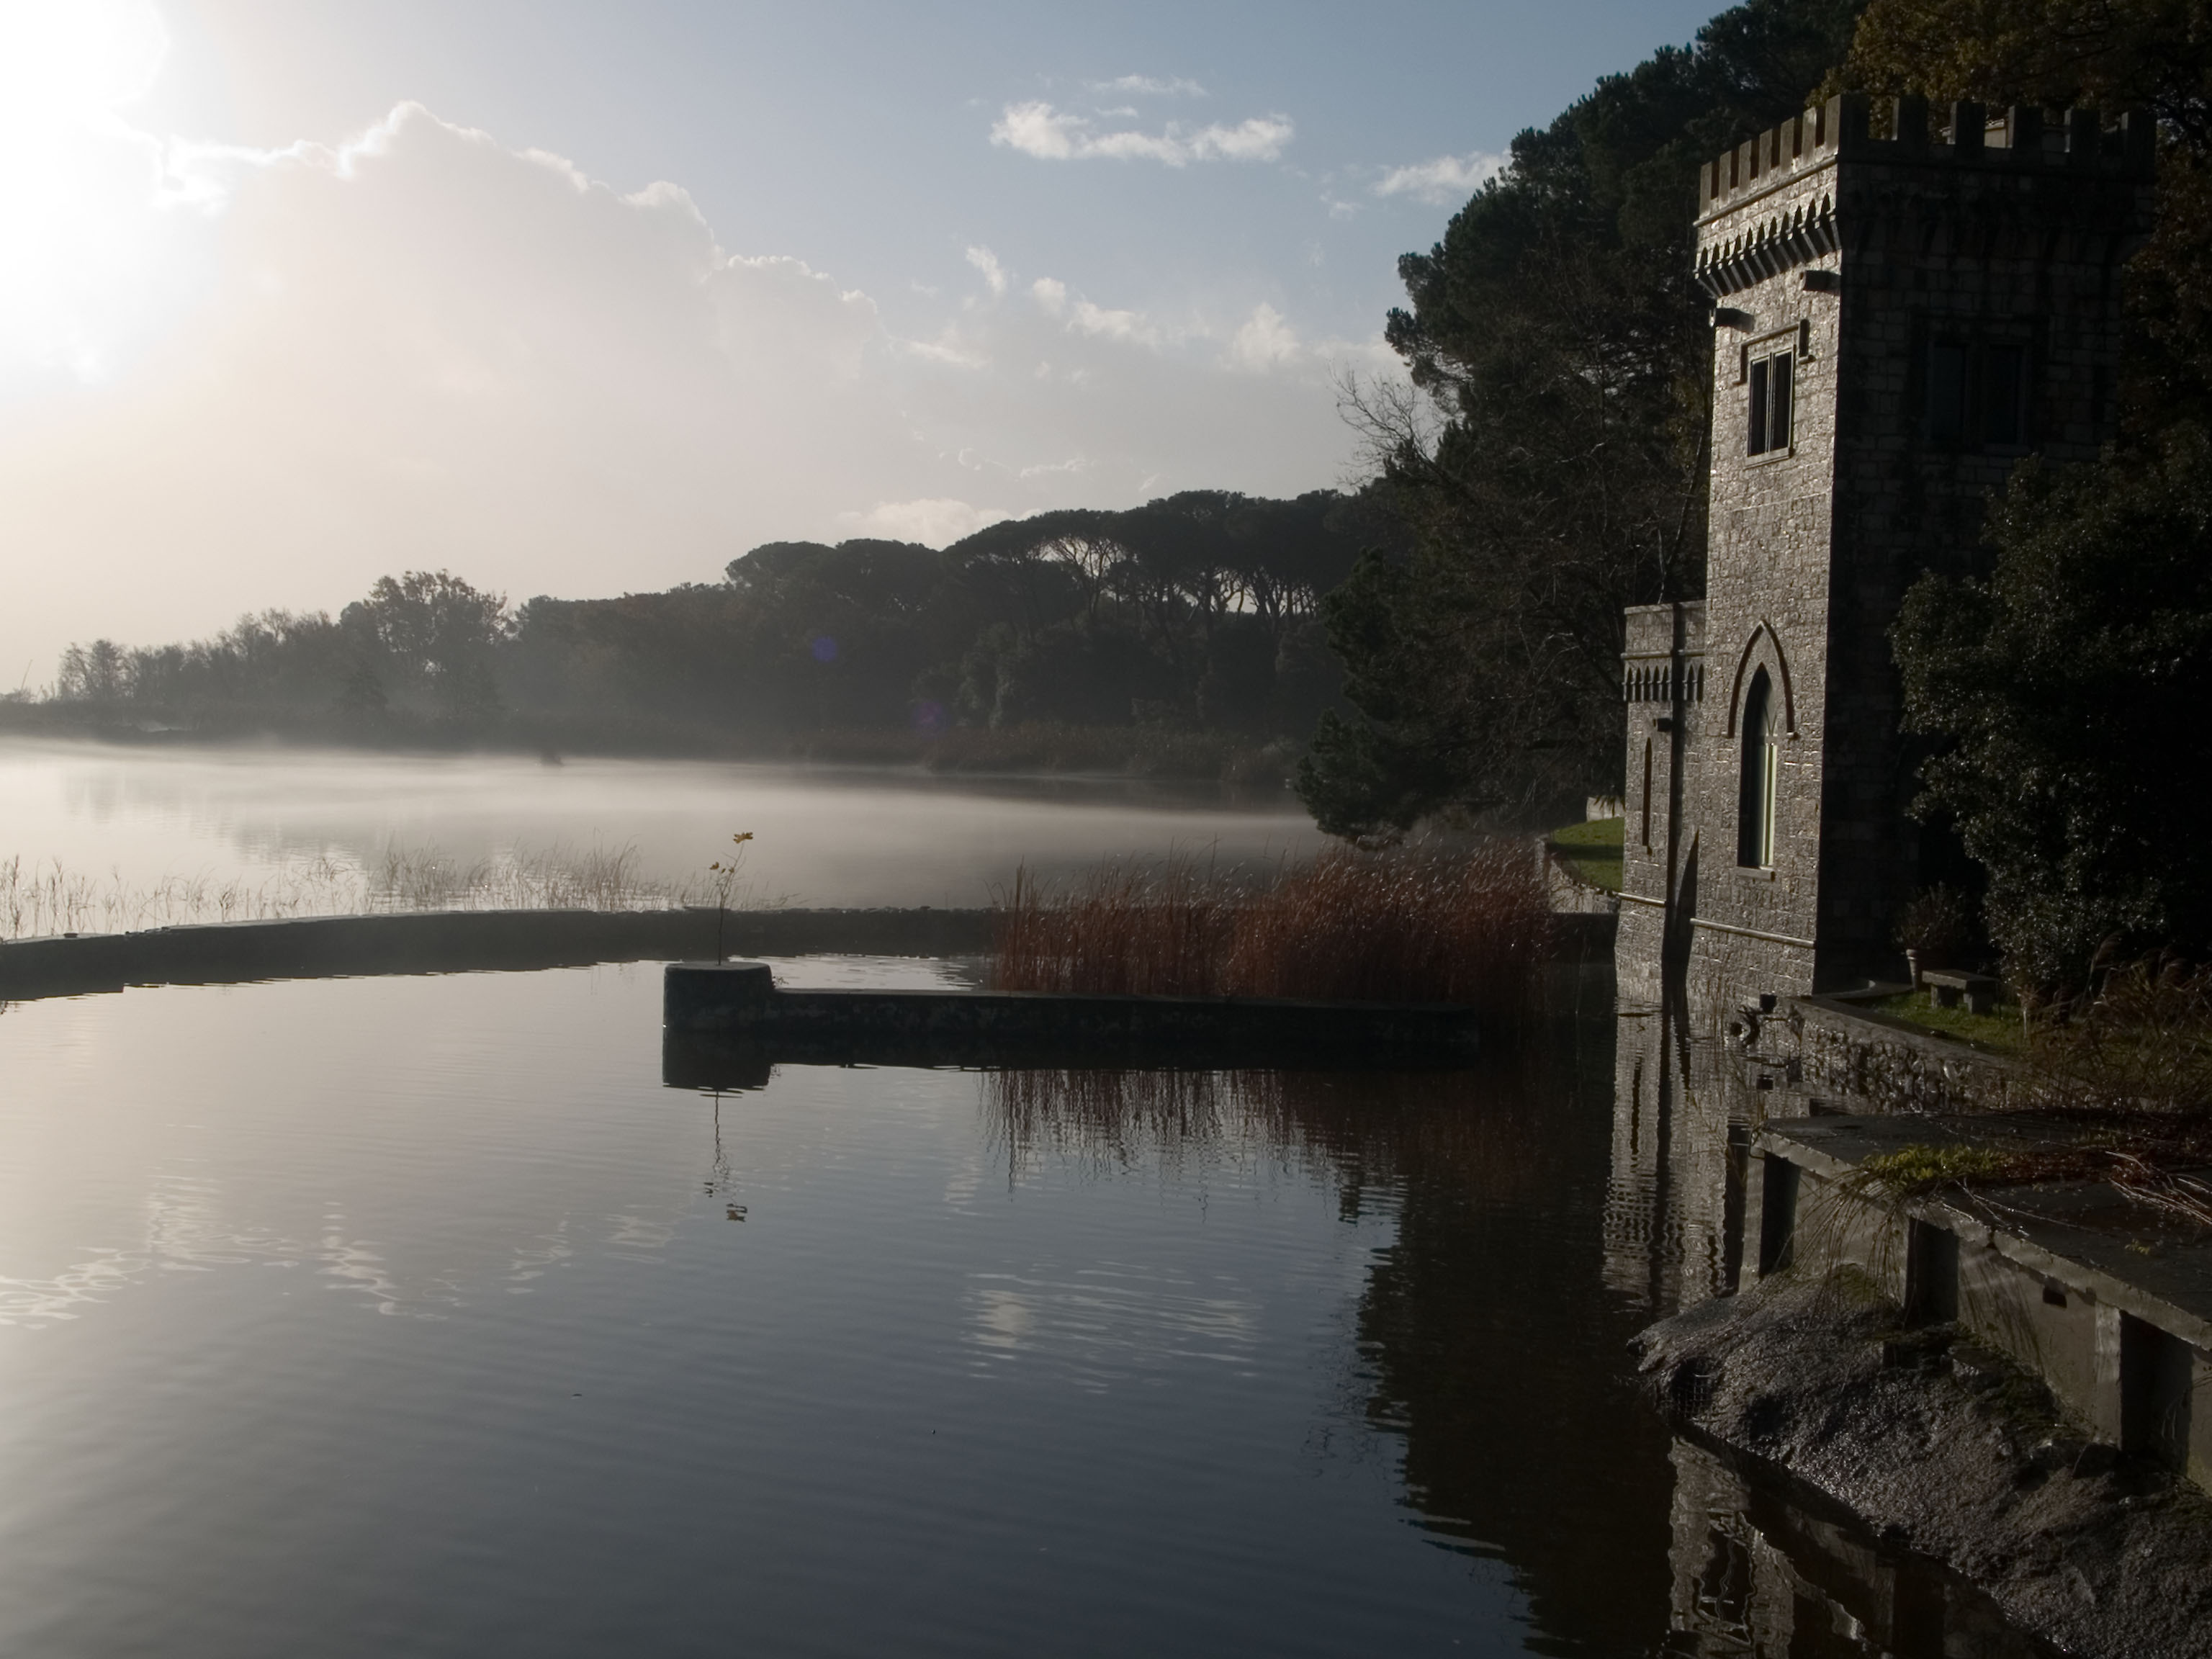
1844 1057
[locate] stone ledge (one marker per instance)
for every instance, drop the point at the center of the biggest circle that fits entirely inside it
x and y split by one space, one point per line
723 1024
461 941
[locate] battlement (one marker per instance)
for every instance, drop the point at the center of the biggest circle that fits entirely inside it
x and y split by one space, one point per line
2017 141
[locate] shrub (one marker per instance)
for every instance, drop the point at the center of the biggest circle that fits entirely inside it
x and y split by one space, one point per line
1940 924
1409 925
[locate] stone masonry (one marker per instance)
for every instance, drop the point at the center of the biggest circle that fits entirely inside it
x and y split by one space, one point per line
1900 316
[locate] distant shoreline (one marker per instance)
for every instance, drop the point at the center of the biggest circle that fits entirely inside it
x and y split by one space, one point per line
1132 752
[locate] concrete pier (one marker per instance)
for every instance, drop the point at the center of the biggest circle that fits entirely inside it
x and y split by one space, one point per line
724 1024
464 941
2108 1301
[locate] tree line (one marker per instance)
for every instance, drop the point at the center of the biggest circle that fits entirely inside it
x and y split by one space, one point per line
1198 611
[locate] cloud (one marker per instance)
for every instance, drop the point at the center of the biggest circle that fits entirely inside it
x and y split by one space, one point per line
1260 139
423 348
1446 178
1150 86
934 521
1127 326
994 274
1264 342
1039 130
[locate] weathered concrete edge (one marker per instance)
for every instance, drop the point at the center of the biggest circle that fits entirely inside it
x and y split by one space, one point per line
459 941
2107 1287
741 999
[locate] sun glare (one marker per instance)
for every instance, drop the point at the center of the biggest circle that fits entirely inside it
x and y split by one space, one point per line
81 55
96 256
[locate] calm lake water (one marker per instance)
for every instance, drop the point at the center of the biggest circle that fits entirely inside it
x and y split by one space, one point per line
823 837
413 1315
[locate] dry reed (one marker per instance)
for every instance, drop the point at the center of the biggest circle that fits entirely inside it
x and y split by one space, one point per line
2141 1038
1468 926
45 898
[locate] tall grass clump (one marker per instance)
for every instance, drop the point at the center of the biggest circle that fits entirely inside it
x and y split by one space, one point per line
48 897
2141 1038
1127 928
1469 926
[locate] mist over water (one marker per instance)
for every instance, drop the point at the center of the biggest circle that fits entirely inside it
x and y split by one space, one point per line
415 1313
823 837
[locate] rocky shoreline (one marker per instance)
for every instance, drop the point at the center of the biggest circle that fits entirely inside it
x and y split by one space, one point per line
1948 1450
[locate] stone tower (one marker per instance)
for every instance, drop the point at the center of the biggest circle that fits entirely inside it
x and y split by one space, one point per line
1900 316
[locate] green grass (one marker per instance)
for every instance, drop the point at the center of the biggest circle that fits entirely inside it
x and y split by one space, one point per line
1920 1169
1592 850
1999 1030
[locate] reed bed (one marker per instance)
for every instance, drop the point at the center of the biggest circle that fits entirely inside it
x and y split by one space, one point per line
1469 926
49 897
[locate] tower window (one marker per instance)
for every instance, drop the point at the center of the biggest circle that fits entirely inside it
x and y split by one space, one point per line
1946 395
2004 382
1761 764
1976 395
1647 794
1769 379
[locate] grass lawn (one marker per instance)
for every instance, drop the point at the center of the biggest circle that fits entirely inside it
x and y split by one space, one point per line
1592 850
1999 1030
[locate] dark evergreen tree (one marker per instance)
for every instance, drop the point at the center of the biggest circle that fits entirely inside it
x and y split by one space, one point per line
1549 459
2065 686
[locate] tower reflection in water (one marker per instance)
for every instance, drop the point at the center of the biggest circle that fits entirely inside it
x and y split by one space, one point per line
1492 1333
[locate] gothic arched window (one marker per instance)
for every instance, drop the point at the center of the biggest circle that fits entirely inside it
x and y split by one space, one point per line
1755 844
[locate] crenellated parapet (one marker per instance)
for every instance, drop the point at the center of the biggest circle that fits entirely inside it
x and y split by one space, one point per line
1739 244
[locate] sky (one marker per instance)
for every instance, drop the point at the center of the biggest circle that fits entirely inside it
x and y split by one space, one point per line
582 298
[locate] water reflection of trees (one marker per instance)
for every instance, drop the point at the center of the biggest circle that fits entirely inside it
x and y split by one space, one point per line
1543 1215
1495 1351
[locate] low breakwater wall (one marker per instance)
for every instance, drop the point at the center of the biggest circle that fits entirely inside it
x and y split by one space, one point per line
464 941
723 1025
1833 1049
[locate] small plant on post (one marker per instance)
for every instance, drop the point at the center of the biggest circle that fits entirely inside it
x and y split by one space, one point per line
725 872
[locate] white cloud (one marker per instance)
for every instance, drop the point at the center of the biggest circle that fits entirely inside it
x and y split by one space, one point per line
1446 178
934 521
1128 326
994 274
1259 139
1151 86
1039 130
1265 340
424 348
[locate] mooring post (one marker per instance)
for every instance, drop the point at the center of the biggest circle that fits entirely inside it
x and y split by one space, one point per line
715 996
